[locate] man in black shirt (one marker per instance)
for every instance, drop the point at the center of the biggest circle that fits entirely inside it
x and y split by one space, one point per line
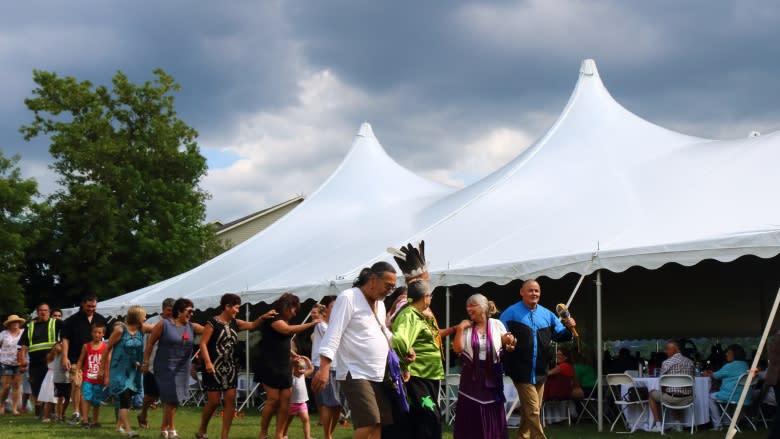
37 339
77 332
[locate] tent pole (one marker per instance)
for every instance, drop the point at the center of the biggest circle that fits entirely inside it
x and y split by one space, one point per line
448 324
747 388
447 347
246 354
599 353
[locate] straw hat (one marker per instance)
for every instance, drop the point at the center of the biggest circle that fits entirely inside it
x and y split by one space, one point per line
13 318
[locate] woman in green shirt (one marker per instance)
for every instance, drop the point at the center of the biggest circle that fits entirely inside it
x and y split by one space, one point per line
584 377
414 332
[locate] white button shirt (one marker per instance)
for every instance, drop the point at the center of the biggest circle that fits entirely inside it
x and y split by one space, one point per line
354 339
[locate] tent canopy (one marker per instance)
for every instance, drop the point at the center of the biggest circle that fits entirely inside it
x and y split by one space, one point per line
600 178
603 178
368 202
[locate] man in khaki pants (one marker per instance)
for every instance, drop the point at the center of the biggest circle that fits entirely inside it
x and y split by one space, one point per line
534 328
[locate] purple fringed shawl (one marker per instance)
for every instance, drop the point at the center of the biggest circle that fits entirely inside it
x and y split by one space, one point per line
482 379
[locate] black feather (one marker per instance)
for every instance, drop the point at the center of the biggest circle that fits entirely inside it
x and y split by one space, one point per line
410 260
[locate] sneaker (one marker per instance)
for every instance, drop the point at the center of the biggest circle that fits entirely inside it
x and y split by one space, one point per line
717 428
132 433
85 425
120 430
656 428
677 428
75 419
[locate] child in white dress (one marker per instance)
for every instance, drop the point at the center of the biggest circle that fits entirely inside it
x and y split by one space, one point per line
46 395
301 369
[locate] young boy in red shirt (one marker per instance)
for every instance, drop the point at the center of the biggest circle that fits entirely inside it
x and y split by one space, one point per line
92 390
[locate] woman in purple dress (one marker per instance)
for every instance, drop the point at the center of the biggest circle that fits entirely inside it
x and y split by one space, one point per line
481 341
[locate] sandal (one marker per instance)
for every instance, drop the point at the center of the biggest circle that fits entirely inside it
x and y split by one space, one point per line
142 422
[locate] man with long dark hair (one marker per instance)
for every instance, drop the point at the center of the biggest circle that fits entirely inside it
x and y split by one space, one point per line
357 339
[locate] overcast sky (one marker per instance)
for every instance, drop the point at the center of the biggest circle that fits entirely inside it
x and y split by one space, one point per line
453 90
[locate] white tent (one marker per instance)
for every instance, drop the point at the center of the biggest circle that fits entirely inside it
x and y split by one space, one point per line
600 177
368 202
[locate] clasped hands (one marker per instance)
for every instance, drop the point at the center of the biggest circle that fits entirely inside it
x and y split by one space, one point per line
507 339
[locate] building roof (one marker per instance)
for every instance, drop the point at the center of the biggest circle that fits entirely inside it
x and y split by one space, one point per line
222 228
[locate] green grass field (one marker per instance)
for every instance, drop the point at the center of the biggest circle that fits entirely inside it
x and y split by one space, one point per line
248 427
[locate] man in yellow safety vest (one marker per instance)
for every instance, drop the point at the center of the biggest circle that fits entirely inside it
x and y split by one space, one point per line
39 336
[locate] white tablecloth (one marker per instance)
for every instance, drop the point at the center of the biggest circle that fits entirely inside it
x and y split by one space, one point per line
700 404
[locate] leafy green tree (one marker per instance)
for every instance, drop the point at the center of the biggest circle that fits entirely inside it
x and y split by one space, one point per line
130 211
16 200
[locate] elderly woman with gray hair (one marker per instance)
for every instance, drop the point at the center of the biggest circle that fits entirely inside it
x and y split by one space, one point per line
481 342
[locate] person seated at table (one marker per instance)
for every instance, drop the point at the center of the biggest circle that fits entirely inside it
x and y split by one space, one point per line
675 364
761 391
729 378
560 379
584 376
623 362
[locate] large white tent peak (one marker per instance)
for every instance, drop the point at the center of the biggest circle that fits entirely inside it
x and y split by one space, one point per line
600 176
603 176
367 202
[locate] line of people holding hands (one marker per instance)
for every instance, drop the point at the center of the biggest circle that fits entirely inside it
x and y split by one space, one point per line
353 339
355 345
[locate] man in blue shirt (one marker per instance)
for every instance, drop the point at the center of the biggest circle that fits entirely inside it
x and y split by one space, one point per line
534 328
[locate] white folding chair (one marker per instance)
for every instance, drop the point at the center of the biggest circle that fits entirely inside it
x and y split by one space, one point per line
681 382
589 405
566 407
449 396
763 396
615 381
763 400
244 386
731 402
196 393
511 404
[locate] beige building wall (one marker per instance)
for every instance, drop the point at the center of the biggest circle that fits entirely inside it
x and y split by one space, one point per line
240 230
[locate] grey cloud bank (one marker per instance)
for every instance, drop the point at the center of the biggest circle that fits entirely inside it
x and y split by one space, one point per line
453 90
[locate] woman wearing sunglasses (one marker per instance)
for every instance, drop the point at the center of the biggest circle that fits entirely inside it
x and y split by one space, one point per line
173 361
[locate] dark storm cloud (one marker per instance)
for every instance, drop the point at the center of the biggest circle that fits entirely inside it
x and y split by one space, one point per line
228 59
441 82
666 57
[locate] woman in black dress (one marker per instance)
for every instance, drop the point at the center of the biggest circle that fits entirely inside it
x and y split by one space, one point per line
273 369
217 349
